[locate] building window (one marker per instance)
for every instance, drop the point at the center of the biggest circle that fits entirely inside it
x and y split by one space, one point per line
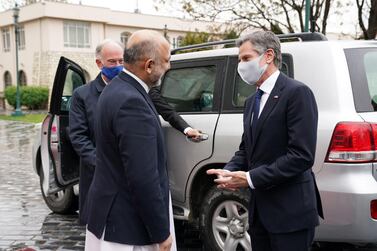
124 37
22 76
6 39
21 38
179 41
7 79
77 34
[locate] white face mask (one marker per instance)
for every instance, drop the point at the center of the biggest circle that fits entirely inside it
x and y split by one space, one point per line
250 71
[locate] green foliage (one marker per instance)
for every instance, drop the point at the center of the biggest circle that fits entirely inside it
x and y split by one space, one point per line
33 97
231 34
29 118
10 95
195 38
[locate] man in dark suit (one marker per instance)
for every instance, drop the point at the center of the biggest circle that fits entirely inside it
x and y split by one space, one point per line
129 202
82 116
276 152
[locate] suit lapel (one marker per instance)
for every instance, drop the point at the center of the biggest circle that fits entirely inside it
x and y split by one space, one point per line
99 83
138 86
268 107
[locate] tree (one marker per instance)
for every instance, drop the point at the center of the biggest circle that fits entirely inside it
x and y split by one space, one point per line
367 9
195 38
280 16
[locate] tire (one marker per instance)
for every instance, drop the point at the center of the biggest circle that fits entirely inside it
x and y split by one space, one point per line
62 202
224 220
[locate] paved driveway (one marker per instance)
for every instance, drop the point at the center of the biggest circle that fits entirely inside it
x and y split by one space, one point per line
25 220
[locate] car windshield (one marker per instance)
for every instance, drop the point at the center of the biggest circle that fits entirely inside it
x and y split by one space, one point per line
363 72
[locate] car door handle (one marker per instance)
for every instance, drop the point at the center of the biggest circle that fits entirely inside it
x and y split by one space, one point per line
202 137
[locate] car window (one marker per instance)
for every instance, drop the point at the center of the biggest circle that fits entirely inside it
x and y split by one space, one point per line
363 73
370 63
72 81
190 89
243 90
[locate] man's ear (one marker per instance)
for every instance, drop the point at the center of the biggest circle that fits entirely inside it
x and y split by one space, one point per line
99 63
270 56
148 66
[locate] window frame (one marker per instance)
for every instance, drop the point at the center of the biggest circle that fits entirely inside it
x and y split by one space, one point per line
21 38
359 82
5 34
124 36
219 63
86 31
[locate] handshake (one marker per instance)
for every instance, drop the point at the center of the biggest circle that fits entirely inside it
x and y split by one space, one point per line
229 180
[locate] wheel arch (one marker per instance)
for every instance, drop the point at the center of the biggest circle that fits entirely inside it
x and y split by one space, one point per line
200 185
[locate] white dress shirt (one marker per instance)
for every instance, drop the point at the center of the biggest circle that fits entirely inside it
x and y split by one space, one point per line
266 87
141 82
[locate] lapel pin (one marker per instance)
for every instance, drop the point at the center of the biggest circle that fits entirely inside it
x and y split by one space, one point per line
275 97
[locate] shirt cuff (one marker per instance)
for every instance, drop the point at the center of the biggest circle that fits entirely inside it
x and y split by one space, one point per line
249 180
186 130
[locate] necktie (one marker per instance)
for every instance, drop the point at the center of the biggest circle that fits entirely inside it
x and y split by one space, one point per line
256 107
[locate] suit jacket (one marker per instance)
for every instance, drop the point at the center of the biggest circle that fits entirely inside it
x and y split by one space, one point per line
82 118
129 195
166 111
279 156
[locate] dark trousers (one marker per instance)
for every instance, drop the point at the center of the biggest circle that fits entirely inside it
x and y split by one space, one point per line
262 240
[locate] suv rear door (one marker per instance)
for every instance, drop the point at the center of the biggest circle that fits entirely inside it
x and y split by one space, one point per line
193 88
59 160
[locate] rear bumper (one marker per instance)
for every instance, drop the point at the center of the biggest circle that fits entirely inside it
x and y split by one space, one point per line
346 193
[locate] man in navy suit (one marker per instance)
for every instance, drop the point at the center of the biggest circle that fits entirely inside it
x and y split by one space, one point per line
277 151
129 205
82 115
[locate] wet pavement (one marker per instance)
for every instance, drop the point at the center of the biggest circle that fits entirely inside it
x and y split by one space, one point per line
26 221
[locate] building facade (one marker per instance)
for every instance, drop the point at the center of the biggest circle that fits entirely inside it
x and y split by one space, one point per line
48 30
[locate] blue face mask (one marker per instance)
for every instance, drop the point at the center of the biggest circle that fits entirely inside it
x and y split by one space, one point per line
111 72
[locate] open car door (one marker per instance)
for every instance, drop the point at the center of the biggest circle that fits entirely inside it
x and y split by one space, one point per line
60 163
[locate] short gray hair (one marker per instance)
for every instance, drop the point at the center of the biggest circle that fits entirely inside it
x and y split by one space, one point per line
262 41
105 42
144 49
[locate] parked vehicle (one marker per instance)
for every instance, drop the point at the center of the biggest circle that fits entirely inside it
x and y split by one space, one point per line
206 90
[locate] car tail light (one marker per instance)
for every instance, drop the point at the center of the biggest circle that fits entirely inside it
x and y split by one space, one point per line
353 142
373 209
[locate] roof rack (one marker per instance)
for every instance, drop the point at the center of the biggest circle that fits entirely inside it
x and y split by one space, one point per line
304 36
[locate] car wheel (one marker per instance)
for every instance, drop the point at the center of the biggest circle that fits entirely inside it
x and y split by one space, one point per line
62 202
224 220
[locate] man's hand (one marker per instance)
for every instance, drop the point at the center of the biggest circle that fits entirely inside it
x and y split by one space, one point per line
166 245
193 134
221 180
229 180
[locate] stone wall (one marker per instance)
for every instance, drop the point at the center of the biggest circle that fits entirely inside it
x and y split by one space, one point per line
45 65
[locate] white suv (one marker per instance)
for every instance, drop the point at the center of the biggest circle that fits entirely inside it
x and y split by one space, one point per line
205 89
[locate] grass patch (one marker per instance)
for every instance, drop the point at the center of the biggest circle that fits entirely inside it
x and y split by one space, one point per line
29 118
